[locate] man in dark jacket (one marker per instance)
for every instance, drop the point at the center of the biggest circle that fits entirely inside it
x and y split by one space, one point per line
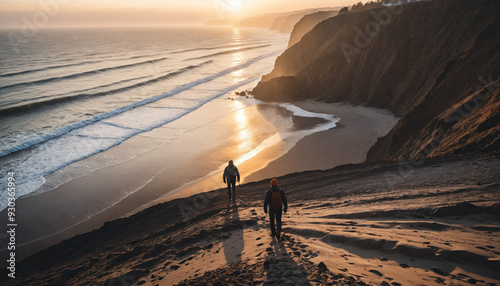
276 199
230 175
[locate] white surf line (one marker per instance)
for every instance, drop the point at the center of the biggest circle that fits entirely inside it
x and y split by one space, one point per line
147 183
144 102
130 135
140 131
83 123
281 136
267 143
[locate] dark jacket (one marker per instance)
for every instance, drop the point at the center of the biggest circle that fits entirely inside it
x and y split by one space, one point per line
230 174
269 195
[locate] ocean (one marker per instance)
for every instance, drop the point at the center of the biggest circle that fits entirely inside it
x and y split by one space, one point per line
67 94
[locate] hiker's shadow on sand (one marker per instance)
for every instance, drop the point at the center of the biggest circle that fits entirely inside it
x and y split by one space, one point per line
233 245
281 269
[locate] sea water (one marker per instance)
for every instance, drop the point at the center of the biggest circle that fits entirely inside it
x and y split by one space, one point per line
67 94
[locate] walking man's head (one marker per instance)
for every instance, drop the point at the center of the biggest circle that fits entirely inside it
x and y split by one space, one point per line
274 182
230 162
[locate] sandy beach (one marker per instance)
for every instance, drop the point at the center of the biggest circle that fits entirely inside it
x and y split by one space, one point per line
187 166
344 226
347 143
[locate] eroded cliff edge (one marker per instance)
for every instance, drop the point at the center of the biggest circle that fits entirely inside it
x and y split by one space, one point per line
435 64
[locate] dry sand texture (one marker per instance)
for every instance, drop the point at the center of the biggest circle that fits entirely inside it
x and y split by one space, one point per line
437 225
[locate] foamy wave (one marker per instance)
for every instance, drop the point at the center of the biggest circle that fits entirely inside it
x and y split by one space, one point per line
23 72
297 111
83 123
104 131
57 100
80 74
232 51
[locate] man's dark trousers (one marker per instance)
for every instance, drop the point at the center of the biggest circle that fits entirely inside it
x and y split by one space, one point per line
275 214
231 184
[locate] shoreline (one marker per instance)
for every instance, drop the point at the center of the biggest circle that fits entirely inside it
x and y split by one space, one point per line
348 143
90 190
312 152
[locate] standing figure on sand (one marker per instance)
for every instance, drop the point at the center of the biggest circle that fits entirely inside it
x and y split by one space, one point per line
231 174
276 200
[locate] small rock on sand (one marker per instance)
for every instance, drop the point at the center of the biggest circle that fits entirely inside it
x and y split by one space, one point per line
438 271
376 272
322 267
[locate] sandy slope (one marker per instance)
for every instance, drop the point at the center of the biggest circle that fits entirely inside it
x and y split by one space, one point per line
373 224
402 237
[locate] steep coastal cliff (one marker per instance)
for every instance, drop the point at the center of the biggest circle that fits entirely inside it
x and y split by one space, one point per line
307 23
420 61
285 22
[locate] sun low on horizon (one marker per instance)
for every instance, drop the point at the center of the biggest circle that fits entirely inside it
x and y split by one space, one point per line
16 14
250 142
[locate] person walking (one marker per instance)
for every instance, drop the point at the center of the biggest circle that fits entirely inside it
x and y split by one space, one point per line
276 200
231 174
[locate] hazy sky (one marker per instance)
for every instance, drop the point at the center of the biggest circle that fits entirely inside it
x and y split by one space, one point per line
16 13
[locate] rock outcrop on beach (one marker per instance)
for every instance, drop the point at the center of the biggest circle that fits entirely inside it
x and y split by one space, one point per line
421 61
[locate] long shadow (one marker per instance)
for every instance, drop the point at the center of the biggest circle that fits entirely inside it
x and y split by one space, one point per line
233 245
446 266
281 269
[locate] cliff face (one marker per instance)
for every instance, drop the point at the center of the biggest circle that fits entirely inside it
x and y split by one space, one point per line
282 22
471 125
418 60
285 22
307 23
